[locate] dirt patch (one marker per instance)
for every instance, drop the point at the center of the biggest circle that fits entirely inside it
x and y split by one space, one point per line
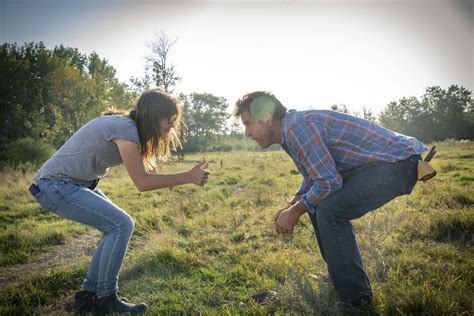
58 256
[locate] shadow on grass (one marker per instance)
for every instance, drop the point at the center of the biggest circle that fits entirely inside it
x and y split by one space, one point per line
41 290
18 249
161 264
301 296
455 228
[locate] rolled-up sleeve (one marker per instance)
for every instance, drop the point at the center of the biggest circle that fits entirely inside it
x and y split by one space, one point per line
305 185
306 141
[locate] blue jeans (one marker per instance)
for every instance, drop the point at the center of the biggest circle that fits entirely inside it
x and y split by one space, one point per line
93 208
363 190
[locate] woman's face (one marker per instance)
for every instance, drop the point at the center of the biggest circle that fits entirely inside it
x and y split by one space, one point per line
166 124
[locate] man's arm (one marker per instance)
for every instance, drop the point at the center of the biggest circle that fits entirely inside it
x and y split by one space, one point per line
314 156
295 198
305 185
308 145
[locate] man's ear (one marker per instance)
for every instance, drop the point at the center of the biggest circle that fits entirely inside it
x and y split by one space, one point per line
267 118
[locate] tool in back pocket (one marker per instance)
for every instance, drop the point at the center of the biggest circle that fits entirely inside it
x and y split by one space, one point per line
425 171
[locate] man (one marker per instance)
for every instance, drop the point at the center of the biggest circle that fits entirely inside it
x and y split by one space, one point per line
350 166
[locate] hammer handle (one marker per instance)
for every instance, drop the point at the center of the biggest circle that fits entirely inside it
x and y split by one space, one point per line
430 154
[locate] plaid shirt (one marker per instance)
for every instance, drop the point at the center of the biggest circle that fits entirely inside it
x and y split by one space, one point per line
323 144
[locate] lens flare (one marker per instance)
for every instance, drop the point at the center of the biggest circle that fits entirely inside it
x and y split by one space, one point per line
262 108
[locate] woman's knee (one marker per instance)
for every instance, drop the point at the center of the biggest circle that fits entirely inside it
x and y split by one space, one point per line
122 223
127 223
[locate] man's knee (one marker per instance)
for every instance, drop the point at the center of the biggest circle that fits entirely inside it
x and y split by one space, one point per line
331 211
324 212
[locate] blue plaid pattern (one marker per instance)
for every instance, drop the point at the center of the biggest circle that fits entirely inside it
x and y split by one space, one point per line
323 144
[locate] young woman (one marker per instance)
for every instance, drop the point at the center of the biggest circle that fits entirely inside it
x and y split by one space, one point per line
66 185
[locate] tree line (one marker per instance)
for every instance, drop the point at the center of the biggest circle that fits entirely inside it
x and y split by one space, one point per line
47 94
438 115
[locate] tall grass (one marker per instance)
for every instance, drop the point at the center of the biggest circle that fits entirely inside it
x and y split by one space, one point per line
205 249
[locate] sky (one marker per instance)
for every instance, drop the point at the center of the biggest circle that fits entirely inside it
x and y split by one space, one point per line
310 54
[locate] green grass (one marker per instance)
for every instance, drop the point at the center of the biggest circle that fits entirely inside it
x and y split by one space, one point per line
204 249
26 230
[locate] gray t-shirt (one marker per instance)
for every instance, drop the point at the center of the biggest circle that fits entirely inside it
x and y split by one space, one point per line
90 152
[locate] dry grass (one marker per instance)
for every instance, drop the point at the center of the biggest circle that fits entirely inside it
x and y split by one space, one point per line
204 249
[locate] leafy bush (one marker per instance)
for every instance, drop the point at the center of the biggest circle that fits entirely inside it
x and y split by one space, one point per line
29 150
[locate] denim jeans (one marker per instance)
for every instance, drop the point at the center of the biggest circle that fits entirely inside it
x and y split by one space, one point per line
363 190
93 208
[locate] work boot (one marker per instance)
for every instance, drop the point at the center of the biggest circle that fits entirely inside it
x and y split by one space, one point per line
111 304
84 301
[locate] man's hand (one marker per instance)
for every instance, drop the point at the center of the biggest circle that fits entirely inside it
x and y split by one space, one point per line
277 213
288 218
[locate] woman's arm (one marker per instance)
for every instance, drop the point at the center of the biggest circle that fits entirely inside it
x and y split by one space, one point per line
145 181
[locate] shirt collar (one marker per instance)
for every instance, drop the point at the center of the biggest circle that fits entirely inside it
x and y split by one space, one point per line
283 129
284 125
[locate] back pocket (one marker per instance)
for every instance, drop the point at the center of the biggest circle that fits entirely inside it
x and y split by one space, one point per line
44 201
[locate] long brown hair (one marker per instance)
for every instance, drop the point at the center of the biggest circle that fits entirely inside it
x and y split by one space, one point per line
153 106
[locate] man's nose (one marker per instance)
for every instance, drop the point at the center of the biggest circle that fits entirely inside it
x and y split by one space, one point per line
247 132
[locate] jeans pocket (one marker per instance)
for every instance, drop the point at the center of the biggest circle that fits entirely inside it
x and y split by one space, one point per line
63 189
390 176
411 176
44 201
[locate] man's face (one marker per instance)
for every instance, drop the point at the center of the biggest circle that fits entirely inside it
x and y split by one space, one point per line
258 131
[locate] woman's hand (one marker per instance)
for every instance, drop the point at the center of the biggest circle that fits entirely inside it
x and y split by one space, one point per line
199 174
145 181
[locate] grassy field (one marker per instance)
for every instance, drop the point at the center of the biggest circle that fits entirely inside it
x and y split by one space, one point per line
204 249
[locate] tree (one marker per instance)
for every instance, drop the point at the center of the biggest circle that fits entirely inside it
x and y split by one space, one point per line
48 94
163 73
340 108
108 91
366 114
138 85
236 128
204 117
22 91
72 57
440 114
